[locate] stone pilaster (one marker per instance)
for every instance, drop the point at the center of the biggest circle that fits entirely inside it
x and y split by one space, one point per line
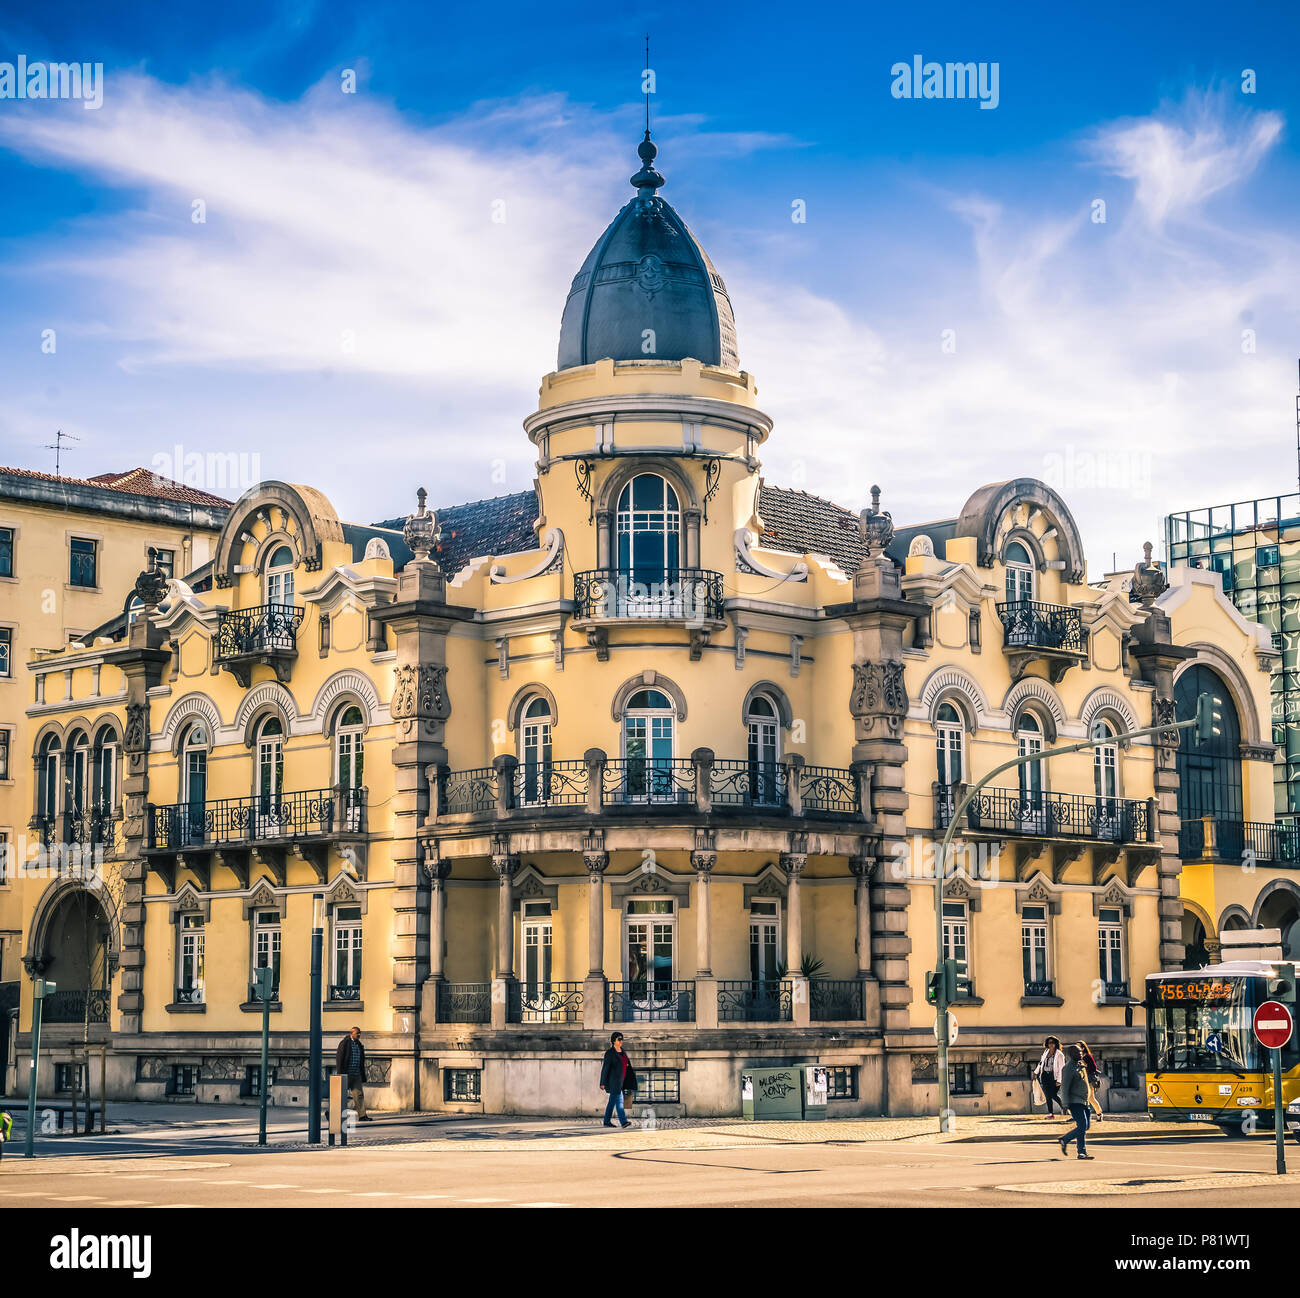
878 619
1157 658
794 863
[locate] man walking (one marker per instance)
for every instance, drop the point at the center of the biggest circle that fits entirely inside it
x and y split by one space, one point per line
616 1076
350 1060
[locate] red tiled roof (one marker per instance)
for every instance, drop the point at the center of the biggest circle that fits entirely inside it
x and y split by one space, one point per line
136 482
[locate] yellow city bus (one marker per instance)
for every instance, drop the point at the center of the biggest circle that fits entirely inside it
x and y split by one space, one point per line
1203 1061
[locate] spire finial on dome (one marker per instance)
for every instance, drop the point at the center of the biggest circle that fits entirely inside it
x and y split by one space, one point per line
647 180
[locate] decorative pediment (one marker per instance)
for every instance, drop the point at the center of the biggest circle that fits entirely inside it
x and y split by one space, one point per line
263 897
187 901
1040 892
1114 894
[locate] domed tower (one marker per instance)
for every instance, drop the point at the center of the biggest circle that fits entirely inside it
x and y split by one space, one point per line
647 289
650 417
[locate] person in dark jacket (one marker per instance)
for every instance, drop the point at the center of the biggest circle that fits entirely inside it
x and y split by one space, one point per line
350 1060
616 1076
1075 1092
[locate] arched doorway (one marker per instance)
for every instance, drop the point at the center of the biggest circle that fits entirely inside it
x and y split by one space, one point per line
1195 953
1209 773
74 949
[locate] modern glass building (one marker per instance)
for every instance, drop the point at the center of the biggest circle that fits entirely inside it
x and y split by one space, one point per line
1255 546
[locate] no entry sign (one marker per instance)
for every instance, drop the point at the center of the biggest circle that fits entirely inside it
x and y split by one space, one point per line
1273 1025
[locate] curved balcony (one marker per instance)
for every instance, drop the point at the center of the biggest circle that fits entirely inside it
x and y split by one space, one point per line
692 595
598 785
265 634
1051 633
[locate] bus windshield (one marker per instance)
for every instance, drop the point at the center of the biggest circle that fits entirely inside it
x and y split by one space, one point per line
1203 1026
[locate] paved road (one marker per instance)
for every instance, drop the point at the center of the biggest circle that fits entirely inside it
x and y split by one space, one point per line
469 1167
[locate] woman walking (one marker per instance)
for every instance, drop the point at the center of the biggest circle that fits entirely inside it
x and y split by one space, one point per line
1093 1070
1048 1074
1075 1092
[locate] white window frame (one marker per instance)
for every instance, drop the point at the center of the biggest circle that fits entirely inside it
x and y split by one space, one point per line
1111 942
763 914
278 579
190 950
534 750
950 746
650 919
1035 923
956 921
348 941
1021 575
268 933
537 933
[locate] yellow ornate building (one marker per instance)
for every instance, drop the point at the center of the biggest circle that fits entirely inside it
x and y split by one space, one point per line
656 746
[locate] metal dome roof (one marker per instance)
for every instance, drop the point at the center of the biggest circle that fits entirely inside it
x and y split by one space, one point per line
647 272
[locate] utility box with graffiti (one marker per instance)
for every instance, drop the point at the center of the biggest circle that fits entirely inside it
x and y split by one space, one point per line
772 1094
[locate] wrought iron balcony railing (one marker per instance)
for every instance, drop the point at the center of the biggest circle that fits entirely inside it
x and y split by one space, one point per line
69 1005
189 995
464 1002
315 813
703 782
265 629
94 828
1027 624
544 1002
653 1002
676 594
1235 841
1116 991
1037 988
1051 815
834 1000
755 1002
344 992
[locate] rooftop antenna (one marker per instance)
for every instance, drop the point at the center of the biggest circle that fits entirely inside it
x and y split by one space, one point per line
1297 433
60 437
645 85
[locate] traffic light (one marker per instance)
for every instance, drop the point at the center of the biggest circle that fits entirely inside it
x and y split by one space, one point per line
1281 986
932 987
1209 719
954 971
263 978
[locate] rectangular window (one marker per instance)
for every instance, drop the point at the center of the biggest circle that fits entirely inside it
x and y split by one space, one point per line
167 562
253 1079
1267 556
266 945
962 1079
1033 942
68 1077
189 987
956 942
6 650
347 951
764 940
658 1086
463 1084
1110 948
844 1083
4 752
6 551
83 564
1120 1073
7 865
185 1078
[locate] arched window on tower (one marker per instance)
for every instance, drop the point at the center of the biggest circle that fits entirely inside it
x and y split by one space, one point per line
535 751
764 754
648 528
1020 574
649 723
949 744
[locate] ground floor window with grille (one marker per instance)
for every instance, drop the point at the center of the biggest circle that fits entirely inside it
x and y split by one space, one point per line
185 1078
843 1083
658 1086
70 1076
1120 1073
253 1079
463 1084
962 1079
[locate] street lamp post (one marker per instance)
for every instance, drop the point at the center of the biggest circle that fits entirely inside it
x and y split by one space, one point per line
314 1045
40 990
1205 722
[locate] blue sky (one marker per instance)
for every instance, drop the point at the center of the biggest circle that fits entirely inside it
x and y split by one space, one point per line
951 312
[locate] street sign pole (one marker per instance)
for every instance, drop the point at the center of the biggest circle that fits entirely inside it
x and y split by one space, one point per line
1279 1112
39 992
314 1040
264 993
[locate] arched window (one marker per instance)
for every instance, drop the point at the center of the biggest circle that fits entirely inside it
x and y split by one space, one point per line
764 751
279 576
1209 773
349 751
535 750
648 732
1105 761
1029 741
949 744
77 774
648 528
1020 574
270 778
48 777
104 770
194 781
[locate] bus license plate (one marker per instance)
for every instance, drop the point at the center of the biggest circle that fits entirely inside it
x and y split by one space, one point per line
1200 1117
